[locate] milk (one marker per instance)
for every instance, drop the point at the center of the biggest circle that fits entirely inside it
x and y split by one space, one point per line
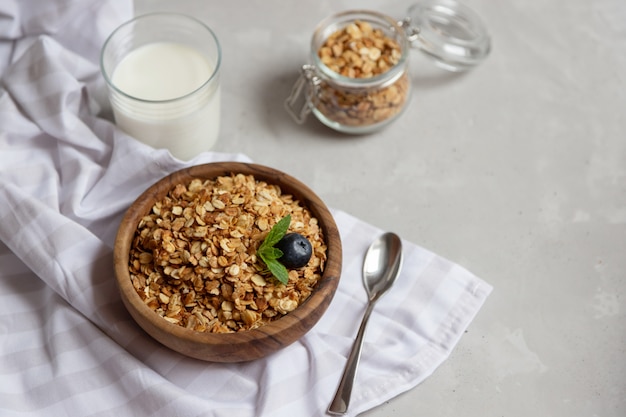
164 98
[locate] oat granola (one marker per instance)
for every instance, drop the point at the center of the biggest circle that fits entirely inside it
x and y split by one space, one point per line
361 51
193 257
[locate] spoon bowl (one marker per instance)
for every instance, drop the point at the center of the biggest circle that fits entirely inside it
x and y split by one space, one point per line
382 263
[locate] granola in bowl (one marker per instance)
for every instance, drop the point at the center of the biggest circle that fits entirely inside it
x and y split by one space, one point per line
193 258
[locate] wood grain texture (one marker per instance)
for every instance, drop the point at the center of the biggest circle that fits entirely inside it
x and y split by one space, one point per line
241 346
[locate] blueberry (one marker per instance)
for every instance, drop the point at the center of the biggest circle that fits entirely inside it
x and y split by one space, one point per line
296 250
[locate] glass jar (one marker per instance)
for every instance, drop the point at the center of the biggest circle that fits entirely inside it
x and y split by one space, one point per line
337 85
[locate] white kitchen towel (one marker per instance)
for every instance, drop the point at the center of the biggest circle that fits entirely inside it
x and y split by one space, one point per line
67 345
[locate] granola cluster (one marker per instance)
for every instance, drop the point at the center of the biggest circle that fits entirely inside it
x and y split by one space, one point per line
193 258
361 51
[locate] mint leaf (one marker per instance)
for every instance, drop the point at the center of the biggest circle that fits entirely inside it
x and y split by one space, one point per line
269 254
278 231
279 271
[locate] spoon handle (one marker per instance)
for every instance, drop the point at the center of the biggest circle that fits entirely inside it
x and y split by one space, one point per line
340 403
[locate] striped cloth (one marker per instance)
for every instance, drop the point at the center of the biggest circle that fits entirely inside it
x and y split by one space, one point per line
67 345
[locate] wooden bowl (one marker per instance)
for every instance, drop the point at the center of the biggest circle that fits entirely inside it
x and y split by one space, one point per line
245 345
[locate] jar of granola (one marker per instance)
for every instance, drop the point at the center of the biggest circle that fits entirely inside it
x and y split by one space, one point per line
358 78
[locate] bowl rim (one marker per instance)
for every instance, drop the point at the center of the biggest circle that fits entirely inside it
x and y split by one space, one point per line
326 286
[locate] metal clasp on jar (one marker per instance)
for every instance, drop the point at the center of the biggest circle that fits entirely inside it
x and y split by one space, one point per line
298 104
411 31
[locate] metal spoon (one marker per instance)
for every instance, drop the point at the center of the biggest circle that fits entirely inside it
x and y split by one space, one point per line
380 268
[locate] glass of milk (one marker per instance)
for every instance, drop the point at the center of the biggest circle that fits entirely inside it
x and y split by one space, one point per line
162 71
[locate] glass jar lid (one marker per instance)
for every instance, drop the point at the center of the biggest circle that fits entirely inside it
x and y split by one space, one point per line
450 32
